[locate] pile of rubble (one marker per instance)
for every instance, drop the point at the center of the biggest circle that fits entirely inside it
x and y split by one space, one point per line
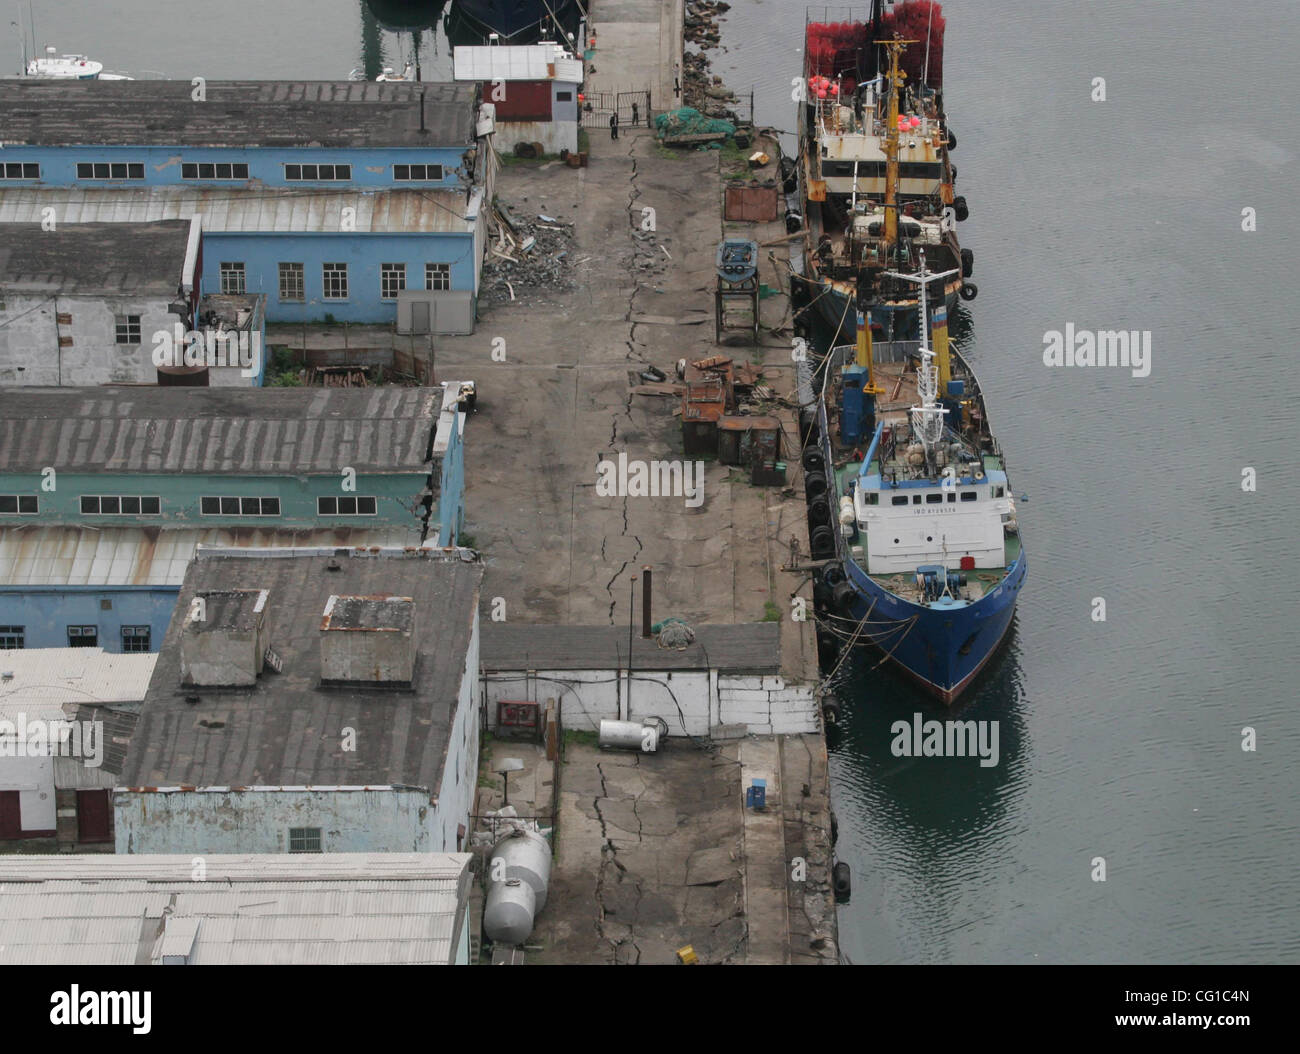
701 89
526 256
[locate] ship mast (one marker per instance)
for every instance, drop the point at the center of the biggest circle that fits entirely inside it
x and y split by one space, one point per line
927 419
894 79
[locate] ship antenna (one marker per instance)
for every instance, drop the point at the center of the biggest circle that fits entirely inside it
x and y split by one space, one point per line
927 419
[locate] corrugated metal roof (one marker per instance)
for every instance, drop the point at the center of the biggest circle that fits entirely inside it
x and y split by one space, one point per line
751 646
137 259
152 556
240 431
265 736
254 210
516 62
337 908
236 113
73 675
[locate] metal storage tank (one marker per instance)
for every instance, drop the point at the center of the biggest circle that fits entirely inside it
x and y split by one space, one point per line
511 908
634 735
526 855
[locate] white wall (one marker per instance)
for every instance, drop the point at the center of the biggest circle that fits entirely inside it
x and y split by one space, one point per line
33 779
460 776
29 341
691 701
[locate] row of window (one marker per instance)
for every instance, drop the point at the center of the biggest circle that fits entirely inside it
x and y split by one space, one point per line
935 499
334 280
221 170
876 169
144 505
134 638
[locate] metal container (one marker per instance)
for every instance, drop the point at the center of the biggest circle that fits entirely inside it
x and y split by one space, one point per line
633 735
524 855
510 910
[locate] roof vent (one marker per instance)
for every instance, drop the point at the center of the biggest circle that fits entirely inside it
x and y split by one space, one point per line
223 640
368 640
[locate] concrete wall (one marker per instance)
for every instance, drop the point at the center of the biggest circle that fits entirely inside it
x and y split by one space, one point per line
258 821
29 340
397 504
448 445
460 775
691 701
553 135
46 612
162 165
261 254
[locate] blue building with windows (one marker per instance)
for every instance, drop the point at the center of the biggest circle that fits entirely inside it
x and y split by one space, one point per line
330 199
106 494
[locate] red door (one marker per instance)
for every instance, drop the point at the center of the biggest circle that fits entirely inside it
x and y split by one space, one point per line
94 816
11 822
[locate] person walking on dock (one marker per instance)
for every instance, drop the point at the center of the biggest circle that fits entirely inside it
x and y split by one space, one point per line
636 116
613 125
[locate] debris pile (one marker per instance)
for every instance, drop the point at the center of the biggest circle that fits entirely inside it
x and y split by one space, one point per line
526 256
701 27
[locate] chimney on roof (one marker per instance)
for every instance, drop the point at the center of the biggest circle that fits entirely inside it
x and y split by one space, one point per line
223 640
368 640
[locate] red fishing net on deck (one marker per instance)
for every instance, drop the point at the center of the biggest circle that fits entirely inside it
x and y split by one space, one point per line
909 20
831 49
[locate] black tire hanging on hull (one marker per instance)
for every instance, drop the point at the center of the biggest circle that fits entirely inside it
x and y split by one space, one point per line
814 484
968 291
842 597
842 881
967 262
960 208
822 543
819 511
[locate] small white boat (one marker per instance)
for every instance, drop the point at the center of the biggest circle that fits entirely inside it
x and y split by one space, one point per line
53 66
388 74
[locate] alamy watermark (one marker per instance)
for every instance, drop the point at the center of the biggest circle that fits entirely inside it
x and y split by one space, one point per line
653 479
39 738
946 739
1129 349
232 347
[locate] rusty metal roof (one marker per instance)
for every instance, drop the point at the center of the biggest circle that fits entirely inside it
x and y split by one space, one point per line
273 431
151 556
325 114
253 210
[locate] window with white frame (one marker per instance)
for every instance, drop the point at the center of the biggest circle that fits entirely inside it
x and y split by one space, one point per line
232 278
292 286
317 173
417 173
334 281
392 280
437 276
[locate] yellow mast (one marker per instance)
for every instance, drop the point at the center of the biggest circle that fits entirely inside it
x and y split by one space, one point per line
894 78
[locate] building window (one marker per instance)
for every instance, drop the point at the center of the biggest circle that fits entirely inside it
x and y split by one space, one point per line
359 506
127 329
135 638
317 173
564 96
417 173
392 280
215 170
221 506
20 170
232 278
292 286
83 636
304 840
437 276
13 638
19 504
335 281
120 505
110 170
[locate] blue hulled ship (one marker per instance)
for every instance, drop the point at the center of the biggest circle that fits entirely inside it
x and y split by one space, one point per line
517 21
919 533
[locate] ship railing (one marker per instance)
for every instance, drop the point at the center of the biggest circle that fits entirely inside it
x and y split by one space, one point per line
883 351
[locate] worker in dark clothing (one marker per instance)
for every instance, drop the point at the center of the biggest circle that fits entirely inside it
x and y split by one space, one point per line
613 126
636 115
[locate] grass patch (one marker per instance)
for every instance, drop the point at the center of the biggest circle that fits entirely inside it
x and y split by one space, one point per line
771 613
576 738
734 161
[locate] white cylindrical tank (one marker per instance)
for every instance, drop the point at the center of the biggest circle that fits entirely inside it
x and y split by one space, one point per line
525 855
847 514
633 735
509 912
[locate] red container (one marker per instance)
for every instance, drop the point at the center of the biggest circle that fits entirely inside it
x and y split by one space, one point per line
968 563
